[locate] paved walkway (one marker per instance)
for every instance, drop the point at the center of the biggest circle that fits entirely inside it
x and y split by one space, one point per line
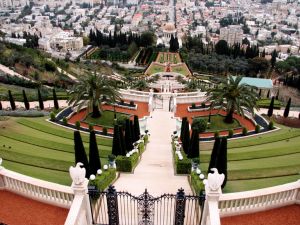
155 171
18 210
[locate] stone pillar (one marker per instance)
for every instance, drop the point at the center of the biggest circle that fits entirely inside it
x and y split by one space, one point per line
213 191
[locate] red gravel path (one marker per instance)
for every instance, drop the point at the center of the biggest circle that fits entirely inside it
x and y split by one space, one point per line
289 215
17 210
182 111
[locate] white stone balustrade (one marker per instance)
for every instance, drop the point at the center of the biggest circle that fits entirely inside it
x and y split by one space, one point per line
39 190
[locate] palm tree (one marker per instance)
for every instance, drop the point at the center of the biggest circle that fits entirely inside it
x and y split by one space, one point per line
90 90
234 96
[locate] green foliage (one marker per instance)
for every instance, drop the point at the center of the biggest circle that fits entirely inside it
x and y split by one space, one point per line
199 124
91 127
271 125
287 108
104 180
80 155
127 164
26 103
181 166
117 146
257 129
194 145
265 103
245 131
52 116
214 154
50 66
217 134
77 124
193 105
94 159
271 107
230 133
196 183
65 121
11 100
104 130
56 106
21 113
41 103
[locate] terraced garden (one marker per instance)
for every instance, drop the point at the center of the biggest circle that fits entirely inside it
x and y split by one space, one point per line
260 161
40 149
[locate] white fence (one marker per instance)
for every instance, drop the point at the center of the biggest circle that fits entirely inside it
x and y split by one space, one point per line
132 95
43 191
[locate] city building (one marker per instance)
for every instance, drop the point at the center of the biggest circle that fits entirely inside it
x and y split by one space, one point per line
232 34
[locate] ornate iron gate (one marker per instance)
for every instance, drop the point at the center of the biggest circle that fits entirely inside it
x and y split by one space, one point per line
122 208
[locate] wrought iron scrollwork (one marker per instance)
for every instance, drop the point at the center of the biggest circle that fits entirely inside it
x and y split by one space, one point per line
145 207
112 206
180 207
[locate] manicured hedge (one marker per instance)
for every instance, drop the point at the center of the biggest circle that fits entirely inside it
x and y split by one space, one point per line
104 180
197 184
181 166
265 103
127 164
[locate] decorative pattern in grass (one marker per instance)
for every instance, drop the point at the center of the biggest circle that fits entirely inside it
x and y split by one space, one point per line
154 68
217 123
106 119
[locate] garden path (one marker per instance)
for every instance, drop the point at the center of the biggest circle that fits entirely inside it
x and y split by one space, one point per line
155 171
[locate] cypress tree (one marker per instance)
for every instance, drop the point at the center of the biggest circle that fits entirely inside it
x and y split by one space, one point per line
26 103
268 94
287 108
56 106
122 139
186 138
194 145
80 155
222 159
128 137
11 100
95 162
277 96
137 131
259 94
214 154
41 103
183 125
116 147
0 105
271 107
132 131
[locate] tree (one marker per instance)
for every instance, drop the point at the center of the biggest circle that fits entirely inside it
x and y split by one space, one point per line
136 128
194 145
183 125
287 108
147 39
123 143
171 43
116 146
199 124
186 137
234 95
80 155
11 100
214 155
222 159
273 59
259 93
95 162
268 94
55 99
221 47
41 103
271 107
277 95
26 103
128 137
0 105
132 131
88 92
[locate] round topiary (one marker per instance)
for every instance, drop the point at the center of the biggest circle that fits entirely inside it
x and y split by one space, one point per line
77 124
104 131
91 127
193 105
203 105
257 128
245 131
271 125
230 133
217 134
131 103
65 121
199 124
52 116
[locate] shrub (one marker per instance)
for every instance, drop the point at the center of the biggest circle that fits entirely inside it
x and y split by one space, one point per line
257 128
122 102
50 66
217 134
65 121
91 127
230 133
52 116
111 157
27 113
193 105
183 166
271 125
131 103
104 180
245 131
197 184
77 125
127 164
104 131
199 124
203 105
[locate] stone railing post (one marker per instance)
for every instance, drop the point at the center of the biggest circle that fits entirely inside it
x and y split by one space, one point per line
80 211
112 206
211 215
180 207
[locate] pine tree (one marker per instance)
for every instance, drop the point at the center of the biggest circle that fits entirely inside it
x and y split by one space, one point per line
268 94
116 146
194 145
277 96
214 155
183 125
222 159
259 93
80 155
26 103
56 106
122 139
0 105
271 107
128 137
273 59
186 137
172 43
137 132
41 103
95 162
287 108
11 100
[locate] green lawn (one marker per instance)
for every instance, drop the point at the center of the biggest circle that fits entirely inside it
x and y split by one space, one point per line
106 119
180 69
155 69
217 123
37 148
265 103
